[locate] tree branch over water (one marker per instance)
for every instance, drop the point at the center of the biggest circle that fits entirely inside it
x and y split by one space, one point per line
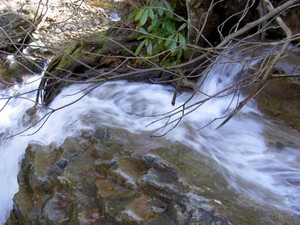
175 60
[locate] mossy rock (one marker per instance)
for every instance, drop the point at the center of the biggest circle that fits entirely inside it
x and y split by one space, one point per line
96 58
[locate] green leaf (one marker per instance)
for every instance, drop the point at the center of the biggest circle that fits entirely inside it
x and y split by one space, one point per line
176 38
168 6
151 13
160 11
139 14
154 24
169 14
169 11
139 48
149 47
159 41
169 40
150 1
142 37
170 26
178 19
160 30
183 26
144 17
182 40
143 31
172 46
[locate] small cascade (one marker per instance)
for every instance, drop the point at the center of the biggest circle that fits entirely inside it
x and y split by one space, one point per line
243 148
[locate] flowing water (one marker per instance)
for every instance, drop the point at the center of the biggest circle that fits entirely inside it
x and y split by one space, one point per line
258 158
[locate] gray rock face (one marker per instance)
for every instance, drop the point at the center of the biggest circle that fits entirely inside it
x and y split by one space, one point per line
113 177
280 99
290 17
15 29
17 23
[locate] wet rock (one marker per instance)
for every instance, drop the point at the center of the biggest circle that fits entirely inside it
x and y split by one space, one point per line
290 17
15 68
100 178
17 25
280 99
24 65
17 22
5 78
30 117
98 58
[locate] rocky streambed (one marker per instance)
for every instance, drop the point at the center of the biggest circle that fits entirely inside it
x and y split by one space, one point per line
111 176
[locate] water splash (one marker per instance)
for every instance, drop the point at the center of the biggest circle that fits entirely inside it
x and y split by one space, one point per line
251 163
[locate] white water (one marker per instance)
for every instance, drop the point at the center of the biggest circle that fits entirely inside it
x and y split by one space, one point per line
252 165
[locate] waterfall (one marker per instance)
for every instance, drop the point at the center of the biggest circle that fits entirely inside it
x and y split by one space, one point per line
252 165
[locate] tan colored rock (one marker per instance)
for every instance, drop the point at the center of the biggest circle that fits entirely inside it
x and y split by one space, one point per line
60 21
280 99
172 185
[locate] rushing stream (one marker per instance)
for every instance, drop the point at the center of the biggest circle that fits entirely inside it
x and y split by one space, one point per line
259 158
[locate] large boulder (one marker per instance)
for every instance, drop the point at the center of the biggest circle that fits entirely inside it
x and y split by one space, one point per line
290 17
110 176
280 99
17 24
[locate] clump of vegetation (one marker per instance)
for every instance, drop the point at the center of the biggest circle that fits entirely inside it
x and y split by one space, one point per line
163 33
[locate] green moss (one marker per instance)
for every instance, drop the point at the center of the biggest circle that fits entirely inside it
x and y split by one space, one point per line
74 219
26 166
